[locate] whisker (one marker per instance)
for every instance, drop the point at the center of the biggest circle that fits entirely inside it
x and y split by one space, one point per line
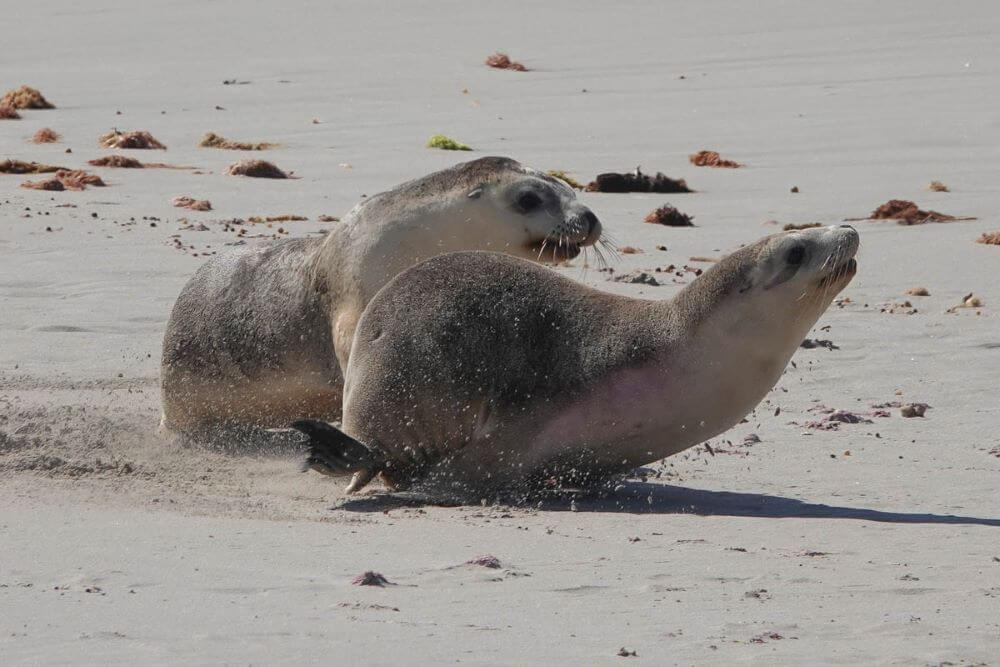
542 249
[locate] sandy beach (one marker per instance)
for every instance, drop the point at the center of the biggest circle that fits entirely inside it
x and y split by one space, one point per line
875 542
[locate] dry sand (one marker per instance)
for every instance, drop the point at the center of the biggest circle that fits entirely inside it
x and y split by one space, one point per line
117 545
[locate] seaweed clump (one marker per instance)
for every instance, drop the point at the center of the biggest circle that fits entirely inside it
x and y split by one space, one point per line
213 140
45 135
501 60
907 213
120 161
989 238
806 225
8 112
193 204
25 97
446 143
669 216
22 167
76 179
566 178
53 184
65 179
636 181
370 578
712 159
134 139
255 169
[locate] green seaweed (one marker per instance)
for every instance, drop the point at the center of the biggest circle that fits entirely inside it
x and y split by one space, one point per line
446 143
563 176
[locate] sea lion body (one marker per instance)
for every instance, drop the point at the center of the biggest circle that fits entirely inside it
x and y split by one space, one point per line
476 372
260 335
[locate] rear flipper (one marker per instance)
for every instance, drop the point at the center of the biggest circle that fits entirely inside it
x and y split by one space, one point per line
333 452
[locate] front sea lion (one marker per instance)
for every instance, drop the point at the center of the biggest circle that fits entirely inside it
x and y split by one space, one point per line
259 335
476 373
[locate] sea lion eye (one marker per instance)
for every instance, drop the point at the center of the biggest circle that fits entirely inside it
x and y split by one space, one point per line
796 255
528 202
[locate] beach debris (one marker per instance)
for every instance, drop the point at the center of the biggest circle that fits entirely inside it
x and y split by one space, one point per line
445 143
370 578
811 343
125 162
213 140
636 278
832 419
328 218
234 82
636 181
937 186
989 238
65 179
712 159
25 97
970 300
566 178
913 410
45 135
846 417
699 258
8 112
906 308
669 216
193 204
120 161
22 167
277 218
500 60
373 607
255 169
795 189
76 179
53 184
625 653
485 561
806 225
133 139
629 250
764 637
917 291
758 594
905 212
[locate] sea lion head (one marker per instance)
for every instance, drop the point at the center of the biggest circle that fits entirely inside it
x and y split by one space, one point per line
776 287
533 215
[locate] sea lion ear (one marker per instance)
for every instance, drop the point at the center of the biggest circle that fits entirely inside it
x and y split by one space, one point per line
475 194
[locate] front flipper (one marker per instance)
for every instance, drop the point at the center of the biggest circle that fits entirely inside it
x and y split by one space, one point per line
333 452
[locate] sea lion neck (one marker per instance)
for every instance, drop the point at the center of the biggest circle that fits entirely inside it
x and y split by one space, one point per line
703 298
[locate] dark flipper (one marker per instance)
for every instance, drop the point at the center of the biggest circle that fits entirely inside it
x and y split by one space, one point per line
333 452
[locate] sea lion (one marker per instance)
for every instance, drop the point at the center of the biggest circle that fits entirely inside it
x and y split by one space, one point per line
259 335
477 373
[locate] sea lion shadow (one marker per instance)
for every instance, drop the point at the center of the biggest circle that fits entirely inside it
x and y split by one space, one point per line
651 498
634 497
